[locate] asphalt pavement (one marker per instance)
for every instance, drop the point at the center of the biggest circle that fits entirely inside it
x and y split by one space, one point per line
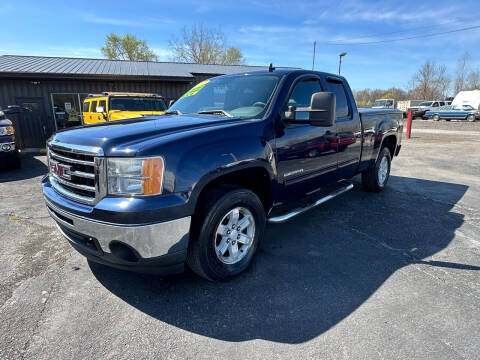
394 275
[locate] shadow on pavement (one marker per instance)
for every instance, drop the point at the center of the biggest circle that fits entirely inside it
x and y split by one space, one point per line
31 167
310 273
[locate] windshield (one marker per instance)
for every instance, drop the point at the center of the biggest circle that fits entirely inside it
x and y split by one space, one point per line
379 102
244 96
426 103
137 104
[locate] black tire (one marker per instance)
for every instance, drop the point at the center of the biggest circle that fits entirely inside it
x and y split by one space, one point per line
471 118
370 178
436 117
202 257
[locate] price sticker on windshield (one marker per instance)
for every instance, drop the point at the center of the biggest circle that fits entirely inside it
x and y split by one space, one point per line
195 89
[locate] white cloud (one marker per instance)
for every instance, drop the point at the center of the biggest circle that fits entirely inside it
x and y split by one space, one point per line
163 53
144 23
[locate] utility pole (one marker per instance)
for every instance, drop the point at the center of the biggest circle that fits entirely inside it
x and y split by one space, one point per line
340 61
314 48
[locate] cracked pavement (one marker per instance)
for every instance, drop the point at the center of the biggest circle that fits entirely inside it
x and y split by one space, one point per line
366 276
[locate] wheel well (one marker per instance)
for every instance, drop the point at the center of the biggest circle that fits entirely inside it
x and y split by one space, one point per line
390 142
255 179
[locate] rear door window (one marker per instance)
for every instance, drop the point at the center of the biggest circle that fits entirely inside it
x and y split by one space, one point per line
336 87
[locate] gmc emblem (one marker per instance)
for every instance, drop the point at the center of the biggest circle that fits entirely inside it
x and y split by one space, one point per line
61 170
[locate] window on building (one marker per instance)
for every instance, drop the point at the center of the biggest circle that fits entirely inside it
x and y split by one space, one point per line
66 110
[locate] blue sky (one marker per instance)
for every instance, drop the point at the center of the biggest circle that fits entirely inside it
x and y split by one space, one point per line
281 32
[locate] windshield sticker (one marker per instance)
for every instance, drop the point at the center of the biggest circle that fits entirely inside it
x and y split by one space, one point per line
195 89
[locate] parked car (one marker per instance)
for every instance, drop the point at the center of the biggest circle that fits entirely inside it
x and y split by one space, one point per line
198 184
8 147
110 106
449 112
422 108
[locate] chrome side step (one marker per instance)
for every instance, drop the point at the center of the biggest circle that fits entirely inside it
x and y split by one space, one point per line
281 218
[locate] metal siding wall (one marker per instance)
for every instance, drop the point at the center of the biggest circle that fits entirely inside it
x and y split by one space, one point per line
12 89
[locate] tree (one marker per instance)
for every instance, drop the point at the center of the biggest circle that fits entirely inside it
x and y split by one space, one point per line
430 82
127 48
473 80
462 73
366 97
203 45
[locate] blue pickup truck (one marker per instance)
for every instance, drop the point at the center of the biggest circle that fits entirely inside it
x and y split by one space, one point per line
197 185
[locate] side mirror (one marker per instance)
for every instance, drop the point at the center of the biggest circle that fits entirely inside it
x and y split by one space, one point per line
99 109
322 109
320 113
171 102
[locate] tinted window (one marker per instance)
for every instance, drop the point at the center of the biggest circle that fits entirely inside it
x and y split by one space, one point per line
302 93
342 103
137 104
102 104
245 96
86 105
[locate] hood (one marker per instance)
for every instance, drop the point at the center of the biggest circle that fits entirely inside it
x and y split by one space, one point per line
119 115
5 122
127 137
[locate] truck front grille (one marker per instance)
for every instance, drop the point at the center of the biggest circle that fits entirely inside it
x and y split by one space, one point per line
76 172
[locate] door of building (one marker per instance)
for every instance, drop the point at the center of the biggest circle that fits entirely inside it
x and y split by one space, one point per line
31 124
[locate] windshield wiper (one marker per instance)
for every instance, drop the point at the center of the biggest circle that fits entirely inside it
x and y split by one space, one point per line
216 112
173 112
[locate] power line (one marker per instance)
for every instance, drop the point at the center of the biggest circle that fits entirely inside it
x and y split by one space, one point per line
411 30
405 38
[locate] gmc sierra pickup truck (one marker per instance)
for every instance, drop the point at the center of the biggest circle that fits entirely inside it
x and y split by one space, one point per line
197 185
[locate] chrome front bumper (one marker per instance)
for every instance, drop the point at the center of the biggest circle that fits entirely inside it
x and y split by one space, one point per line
149 241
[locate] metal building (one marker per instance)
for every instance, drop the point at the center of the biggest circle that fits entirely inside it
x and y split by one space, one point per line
50 86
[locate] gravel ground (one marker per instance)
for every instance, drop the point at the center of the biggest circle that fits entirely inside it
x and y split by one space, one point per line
367 276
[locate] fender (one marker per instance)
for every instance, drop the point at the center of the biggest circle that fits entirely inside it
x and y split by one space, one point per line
386 128
201 165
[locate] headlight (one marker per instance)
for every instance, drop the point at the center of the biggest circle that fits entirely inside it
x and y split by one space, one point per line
6 130
135 176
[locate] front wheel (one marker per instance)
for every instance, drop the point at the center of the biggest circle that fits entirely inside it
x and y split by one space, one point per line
376 177
436 117
226 234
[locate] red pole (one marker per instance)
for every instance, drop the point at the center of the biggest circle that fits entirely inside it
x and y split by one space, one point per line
409 124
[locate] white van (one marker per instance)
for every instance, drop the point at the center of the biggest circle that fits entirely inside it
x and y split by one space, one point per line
471 98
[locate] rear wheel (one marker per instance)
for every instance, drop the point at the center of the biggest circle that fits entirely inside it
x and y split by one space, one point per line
471 117
376 177
436 117
226 234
